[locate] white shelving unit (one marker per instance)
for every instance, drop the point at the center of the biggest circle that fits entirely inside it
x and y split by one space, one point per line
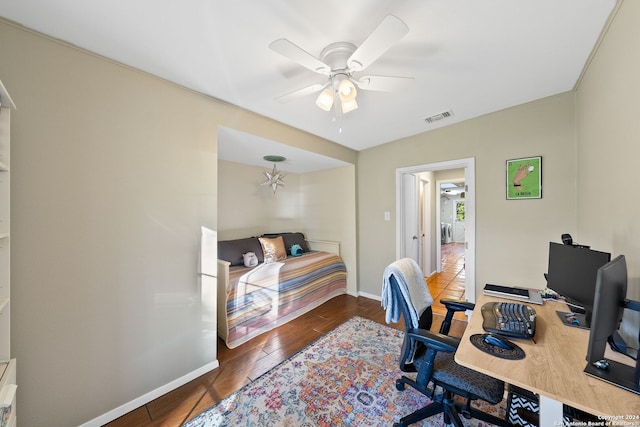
8 386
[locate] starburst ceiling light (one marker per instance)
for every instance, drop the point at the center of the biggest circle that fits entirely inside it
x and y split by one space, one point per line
274 177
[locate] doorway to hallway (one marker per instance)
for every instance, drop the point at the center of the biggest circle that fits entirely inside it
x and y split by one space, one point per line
451 210
408 234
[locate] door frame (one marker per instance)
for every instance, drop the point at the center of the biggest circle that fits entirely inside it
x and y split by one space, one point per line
468 164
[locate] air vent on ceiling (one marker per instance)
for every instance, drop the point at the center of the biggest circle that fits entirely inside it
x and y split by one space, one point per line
438 117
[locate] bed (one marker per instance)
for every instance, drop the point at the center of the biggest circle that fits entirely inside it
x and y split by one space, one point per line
254 300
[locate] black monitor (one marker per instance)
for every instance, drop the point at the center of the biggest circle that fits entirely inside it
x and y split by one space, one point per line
608 307
572 274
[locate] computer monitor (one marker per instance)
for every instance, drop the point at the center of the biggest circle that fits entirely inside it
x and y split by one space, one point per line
608 308
572 274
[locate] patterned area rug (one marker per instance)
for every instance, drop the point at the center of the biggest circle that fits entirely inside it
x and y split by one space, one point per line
345 378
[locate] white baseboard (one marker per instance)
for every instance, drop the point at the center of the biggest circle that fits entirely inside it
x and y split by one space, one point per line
370 296
148 397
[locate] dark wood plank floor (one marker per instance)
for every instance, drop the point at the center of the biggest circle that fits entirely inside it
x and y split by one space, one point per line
248 361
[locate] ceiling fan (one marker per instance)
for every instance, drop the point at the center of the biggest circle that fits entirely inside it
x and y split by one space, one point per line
340 62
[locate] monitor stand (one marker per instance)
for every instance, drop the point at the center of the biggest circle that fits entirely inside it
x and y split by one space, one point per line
618 374
575 320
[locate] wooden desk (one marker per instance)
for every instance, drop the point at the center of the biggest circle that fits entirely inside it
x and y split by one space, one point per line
553 367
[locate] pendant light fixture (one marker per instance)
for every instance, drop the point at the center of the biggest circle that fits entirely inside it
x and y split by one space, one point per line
275 178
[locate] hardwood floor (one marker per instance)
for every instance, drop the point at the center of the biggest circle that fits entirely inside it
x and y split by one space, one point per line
449 283
250 360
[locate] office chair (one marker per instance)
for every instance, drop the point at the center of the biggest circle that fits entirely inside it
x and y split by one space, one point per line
431 355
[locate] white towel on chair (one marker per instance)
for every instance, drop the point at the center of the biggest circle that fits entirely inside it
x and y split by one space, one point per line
412 287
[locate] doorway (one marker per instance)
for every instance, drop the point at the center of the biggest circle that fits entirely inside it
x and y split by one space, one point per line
407 183
451 211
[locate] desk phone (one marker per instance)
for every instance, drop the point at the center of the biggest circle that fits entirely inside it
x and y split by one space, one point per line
513 320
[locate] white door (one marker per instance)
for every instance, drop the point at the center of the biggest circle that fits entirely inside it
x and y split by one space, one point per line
410 217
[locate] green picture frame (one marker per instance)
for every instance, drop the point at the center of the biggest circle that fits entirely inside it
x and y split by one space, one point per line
524 178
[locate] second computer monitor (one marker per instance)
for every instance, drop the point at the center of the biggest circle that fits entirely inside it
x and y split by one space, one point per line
611 291
610 301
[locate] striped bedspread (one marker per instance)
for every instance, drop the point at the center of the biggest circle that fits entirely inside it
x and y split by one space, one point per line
261 298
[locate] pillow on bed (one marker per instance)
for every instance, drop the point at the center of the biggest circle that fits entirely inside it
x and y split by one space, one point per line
291 239
273 249
296 250
250 259
232 250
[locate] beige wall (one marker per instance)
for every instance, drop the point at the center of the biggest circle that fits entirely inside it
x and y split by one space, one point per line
328 212
245 208
320 204
113 173
608 104
511 236
449 175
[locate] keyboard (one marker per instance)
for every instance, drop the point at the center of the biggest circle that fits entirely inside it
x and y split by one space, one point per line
510 319
506 291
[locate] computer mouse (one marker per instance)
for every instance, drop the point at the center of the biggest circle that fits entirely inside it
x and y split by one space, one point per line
601 364
498 341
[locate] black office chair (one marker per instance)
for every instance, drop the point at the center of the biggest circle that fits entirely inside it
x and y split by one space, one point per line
431 354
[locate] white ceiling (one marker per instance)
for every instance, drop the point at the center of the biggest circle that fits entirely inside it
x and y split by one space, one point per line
471 57
241 147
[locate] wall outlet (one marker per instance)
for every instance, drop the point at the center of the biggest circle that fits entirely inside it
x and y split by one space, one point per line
387 216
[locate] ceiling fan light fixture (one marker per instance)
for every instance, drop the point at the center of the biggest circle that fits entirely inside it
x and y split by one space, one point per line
338 61
348 106
325 99
347 91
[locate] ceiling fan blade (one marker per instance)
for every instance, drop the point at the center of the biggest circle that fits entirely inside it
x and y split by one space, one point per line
383 83
300 93
386 34
295 53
